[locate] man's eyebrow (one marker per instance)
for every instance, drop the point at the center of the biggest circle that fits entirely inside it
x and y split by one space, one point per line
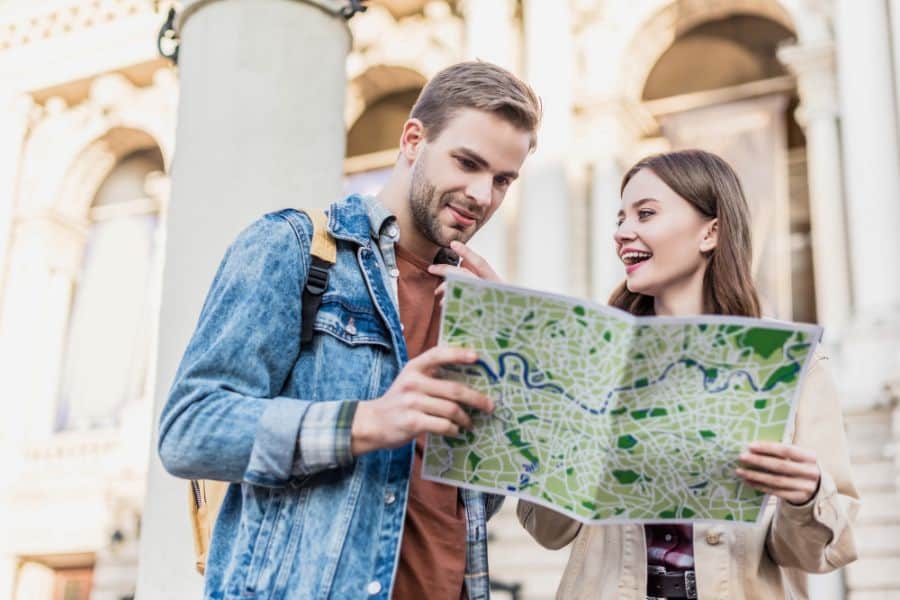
637 204
481 162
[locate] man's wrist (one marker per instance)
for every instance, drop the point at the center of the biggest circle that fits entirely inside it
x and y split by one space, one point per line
362 434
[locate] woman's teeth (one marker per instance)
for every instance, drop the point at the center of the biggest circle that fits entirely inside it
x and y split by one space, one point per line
631 258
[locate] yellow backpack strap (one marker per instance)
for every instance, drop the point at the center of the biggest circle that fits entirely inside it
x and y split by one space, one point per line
204 500
324 255
323 245
205 496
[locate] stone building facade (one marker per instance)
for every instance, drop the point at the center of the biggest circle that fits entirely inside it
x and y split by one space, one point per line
800 95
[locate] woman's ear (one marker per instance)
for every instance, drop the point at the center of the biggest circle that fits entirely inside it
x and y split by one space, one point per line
710 237
411 139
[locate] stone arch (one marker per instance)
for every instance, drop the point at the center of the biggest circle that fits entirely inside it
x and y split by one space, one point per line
376 83
70 150
385 95
90 168
655 34
393 49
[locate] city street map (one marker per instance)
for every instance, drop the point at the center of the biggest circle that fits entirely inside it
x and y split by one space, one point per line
608 417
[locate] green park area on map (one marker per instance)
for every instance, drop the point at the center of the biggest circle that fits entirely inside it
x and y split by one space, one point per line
605 416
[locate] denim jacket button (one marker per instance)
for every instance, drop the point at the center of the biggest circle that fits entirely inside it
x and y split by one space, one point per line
713 538
389 497
350 327
373 588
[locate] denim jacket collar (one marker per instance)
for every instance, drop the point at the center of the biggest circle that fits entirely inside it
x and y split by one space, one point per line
358 218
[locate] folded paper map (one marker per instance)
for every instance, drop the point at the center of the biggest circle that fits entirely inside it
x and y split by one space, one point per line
605 416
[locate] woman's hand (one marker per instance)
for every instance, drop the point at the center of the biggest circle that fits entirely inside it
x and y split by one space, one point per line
784 470
472 265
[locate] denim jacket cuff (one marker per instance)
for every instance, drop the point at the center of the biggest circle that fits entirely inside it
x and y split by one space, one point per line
273 448
324 438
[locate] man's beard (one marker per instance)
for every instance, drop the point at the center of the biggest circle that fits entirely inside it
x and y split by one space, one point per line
425 207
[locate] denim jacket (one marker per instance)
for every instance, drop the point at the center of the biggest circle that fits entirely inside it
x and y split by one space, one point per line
303 517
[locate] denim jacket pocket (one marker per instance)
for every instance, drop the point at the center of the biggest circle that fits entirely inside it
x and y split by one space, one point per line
352 324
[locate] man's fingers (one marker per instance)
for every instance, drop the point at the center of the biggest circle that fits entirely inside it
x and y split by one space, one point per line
779 466
442 355
444 270
438 407
474 262
438 426
457 392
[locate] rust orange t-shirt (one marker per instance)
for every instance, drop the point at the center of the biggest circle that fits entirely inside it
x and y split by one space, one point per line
433 548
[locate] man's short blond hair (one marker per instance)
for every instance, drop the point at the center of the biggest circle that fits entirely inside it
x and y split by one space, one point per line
482 86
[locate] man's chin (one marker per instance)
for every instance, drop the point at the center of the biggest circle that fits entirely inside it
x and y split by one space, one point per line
455 234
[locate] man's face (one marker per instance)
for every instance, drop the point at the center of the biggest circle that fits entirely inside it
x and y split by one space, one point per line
460 178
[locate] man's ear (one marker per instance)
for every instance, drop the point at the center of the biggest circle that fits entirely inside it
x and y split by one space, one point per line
411 139
710 237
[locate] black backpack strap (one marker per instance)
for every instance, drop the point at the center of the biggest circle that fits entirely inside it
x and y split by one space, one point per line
316 284
323 254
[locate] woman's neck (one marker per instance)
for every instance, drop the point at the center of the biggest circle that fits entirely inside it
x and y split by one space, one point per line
681 300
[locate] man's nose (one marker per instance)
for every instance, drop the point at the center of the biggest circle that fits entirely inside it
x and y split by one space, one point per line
480 190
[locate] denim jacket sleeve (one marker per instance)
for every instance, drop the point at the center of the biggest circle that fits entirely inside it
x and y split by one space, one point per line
224 419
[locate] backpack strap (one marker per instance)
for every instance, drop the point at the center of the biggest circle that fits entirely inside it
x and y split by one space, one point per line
323 253
206 496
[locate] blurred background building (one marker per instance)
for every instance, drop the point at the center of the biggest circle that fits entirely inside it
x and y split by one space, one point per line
801 96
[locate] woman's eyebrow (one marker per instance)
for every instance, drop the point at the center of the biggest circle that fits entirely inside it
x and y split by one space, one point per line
637 204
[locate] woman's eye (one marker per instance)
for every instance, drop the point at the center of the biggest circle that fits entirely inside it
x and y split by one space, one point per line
644 213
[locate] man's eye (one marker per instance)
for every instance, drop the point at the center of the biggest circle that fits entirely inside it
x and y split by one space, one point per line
501 181
467 164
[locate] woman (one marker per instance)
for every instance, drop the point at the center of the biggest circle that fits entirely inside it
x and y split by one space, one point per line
684 235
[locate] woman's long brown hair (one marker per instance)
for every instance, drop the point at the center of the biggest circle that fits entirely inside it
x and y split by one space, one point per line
713 188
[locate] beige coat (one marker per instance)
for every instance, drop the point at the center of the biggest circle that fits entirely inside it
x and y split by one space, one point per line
767 562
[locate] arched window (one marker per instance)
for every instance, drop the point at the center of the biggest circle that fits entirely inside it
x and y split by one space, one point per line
108 342
721 87
372 142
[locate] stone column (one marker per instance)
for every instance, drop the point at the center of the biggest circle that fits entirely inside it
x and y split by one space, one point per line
871 157
491 36
544 216
814 67
870 350
15 110
894 13
260 127
490 32
615 128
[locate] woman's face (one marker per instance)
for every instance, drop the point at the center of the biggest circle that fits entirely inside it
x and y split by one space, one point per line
661 237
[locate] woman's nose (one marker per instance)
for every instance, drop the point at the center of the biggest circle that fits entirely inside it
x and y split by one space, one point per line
623 233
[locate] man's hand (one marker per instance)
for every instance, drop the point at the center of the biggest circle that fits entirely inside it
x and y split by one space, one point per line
472 265
418 403
784 470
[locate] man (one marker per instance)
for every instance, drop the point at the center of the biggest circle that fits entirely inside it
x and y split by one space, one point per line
330 503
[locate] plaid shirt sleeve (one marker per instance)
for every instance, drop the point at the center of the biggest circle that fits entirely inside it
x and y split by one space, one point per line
324 438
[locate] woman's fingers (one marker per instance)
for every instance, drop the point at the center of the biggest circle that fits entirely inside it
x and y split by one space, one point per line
791 496
785 470
779 466
785 451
